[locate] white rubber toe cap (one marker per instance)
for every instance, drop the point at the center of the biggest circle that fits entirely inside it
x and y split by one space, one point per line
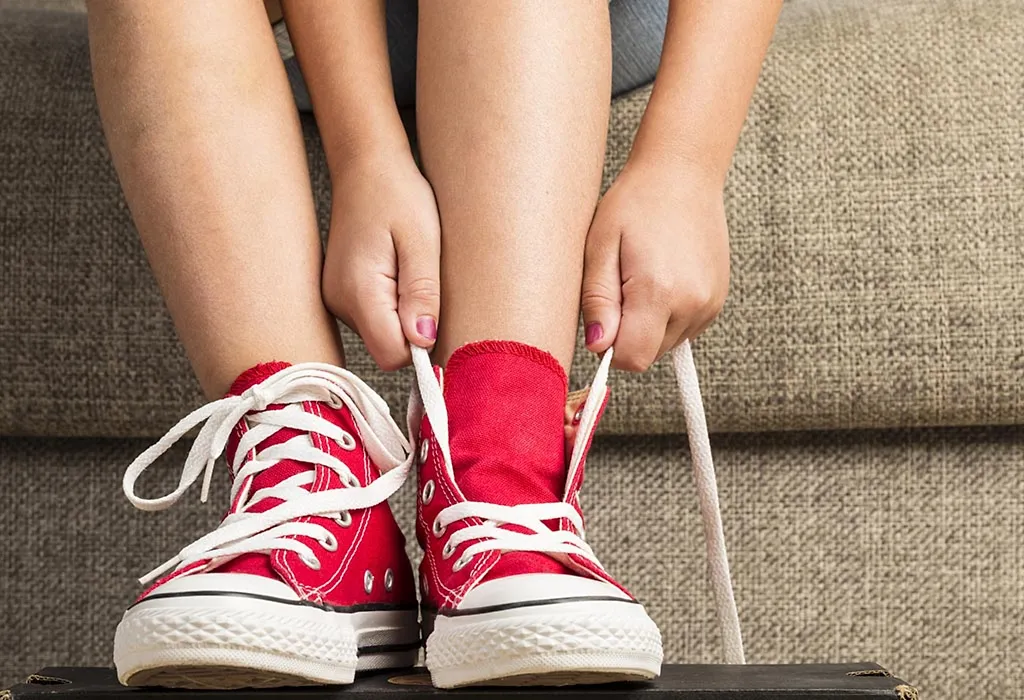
538 587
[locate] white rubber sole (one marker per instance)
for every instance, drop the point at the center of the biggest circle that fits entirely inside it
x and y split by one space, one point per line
227 642
551 644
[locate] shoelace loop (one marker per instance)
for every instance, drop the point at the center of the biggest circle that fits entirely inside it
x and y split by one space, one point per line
491 536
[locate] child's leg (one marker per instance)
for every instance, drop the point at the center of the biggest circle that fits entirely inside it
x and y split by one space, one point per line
206 141
512 110
512 106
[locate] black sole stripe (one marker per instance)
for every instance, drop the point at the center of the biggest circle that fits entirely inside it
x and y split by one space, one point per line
364 607
455 612
387 648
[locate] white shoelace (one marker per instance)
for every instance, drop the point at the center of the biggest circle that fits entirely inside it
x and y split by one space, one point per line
245 531
532 517
707 497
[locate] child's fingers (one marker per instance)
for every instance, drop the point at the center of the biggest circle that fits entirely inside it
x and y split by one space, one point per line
368 305
602 288
675 334
645 316
378 325
419 287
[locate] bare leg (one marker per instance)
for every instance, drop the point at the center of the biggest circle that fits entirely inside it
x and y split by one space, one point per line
512 108
207 144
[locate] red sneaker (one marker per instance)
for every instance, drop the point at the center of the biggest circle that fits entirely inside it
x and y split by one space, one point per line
511 592
306 579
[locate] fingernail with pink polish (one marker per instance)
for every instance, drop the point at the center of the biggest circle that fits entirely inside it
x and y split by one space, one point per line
427 327
594 333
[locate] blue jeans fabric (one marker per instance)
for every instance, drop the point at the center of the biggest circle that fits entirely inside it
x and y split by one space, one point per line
638 30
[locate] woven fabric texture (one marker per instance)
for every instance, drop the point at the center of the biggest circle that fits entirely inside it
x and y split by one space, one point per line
874 203
850 546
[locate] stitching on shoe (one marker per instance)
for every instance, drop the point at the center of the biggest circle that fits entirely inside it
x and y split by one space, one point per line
454 595
477 573
448 594
330 585
320 482
282 562
364 525
437 581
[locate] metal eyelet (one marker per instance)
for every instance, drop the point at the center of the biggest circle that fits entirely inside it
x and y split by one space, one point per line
579 415
347 442
460 563
311 563
428 492
335 401
424 451
345 519
329 543
389 580
437 528
368 581
448 550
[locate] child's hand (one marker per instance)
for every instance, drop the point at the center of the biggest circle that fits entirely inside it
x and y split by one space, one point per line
656 270
381 274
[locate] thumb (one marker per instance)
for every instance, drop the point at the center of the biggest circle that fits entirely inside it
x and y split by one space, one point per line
419 287
602 287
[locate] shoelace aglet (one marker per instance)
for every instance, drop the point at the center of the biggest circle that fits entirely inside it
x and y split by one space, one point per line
159 571
207 479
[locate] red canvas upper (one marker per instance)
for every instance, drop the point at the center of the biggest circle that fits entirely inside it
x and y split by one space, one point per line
506 403
372 542
511 424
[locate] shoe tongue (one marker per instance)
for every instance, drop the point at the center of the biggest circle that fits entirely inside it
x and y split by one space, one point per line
506 405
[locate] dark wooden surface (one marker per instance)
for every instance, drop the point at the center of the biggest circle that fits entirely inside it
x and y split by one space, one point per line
692 682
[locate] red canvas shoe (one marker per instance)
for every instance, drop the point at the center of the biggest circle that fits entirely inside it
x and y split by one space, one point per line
306 579
511 592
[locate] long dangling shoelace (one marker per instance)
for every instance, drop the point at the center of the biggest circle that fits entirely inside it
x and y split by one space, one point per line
707 497
541 538
245 531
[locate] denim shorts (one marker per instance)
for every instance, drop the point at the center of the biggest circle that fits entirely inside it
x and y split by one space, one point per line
638 30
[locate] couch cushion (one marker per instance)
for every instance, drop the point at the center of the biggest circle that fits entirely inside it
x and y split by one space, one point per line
874 202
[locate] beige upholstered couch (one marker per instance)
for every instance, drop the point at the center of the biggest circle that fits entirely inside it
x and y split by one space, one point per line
865 382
